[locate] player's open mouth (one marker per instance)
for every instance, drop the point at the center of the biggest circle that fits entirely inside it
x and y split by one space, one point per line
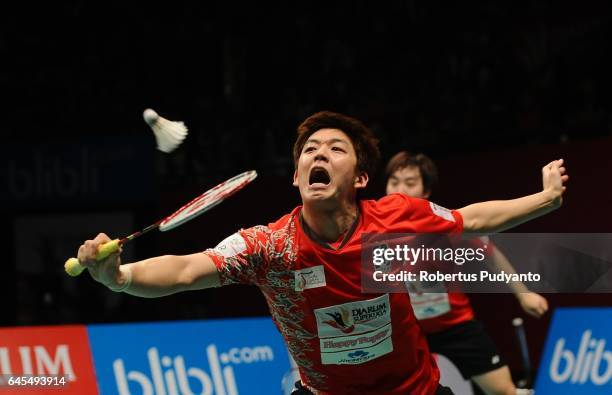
319 177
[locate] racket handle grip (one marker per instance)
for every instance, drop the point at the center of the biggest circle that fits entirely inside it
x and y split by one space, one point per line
73 267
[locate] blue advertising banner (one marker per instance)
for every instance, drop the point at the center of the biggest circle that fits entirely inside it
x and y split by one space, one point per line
217 357
577 357
78 173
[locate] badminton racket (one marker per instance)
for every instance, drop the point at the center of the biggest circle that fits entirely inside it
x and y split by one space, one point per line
194 208
519 329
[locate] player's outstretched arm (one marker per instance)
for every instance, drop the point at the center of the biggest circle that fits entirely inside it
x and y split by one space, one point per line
500 215
150 278
531 302
499 263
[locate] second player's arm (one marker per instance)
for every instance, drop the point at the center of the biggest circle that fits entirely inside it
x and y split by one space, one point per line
532 303
500 263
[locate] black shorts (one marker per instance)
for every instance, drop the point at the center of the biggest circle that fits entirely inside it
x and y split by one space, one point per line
469 347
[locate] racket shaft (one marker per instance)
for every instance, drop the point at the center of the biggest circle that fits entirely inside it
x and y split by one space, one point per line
141 232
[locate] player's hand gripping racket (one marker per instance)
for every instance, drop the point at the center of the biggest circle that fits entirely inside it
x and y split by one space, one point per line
197 206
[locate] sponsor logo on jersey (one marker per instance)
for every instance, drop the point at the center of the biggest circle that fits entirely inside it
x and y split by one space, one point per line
429 305
342 319
345 343
367 324
312 277
345 318
358 356
442 212
231 246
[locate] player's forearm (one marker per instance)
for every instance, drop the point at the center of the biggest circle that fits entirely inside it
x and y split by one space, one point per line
159 276
499 215
500 263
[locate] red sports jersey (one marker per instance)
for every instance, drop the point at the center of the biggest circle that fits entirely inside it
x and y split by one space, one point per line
439 311
452 308
344 341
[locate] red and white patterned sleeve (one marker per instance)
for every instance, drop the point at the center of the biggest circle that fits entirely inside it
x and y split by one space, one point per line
242 258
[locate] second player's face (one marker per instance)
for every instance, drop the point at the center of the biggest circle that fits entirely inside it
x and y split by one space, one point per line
327 167
407 181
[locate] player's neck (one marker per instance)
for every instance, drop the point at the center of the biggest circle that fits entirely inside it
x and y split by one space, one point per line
329 225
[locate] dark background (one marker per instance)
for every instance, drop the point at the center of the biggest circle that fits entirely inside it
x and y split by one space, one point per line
491 90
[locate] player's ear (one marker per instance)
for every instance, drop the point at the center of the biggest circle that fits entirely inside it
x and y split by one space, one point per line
295 178
361 180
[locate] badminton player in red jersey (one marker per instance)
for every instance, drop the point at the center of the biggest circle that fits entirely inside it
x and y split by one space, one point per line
307 264
447 318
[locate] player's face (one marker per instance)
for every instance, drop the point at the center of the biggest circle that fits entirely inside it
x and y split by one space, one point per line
407 180
327 167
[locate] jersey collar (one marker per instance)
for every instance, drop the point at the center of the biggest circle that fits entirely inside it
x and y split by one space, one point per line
347 235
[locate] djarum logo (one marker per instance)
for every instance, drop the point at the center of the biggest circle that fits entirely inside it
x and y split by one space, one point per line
590 363
170 376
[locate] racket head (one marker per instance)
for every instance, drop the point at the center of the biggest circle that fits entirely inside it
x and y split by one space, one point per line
207 200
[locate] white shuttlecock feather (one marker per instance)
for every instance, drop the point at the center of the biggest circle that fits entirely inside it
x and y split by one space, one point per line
168 134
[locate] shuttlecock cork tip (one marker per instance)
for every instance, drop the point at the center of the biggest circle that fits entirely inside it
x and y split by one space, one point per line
150 116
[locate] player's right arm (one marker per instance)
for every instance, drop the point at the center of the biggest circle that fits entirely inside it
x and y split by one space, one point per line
531 302
149 278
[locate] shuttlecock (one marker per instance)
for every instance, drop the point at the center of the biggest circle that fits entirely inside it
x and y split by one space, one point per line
169 134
